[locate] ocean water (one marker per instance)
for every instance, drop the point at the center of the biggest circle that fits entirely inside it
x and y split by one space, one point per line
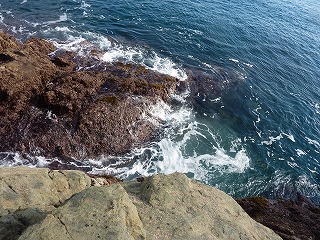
250 122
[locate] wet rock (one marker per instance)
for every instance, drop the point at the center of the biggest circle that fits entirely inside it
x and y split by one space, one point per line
49 108
25 75
291 219
7 41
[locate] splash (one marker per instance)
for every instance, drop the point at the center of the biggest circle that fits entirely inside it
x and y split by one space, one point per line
176 149
62 18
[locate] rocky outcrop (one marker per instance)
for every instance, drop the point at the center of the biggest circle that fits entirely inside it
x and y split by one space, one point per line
95 213
158 207
57 104
39 187
291 219
175 207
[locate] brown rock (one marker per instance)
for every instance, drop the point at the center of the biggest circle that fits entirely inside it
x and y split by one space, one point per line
7 41
299 219
47 108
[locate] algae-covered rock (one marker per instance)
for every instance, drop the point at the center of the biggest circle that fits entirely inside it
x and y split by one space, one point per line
291 219
175 207
49 107
95 213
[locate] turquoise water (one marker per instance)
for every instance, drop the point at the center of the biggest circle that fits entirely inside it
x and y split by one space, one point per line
250 123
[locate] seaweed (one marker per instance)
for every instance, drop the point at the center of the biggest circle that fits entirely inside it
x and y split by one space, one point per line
113 100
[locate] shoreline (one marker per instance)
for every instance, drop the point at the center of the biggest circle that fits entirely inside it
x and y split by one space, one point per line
58 104
26 107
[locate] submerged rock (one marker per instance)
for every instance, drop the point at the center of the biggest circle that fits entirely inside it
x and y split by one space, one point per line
49 108
157 207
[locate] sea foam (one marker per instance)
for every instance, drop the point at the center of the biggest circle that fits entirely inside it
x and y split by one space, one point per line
83 42
171 152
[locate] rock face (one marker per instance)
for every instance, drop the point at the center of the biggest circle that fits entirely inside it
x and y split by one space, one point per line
159 207
49 108
299 219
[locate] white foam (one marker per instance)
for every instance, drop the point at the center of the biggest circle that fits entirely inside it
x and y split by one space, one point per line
173 160
19 30
176 149
42 161
73 44
235 145
237 61
62 18
62 29
216 100
84 5
150 60
166 66
24 1
234 60
300 152
248 64
169 154
103 42
118 53
306 187
256 112
272 140
317 107
313 142
289 136
81 42
277 138
159 112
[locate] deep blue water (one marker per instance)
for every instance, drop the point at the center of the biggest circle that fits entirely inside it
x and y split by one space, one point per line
253 130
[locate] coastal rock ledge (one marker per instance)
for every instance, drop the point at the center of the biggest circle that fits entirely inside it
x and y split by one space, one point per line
55 103
50 204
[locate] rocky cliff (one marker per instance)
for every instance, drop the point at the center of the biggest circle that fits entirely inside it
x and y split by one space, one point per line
50 204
